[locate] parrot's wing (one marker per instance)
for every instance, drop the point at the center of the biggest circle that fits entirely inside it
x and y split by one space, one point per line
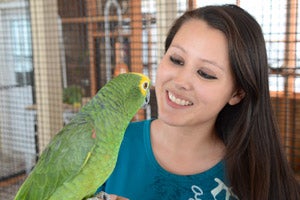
63 159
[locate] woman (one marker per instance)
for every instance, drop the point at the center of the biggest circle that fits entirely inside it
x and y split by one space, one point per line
215 136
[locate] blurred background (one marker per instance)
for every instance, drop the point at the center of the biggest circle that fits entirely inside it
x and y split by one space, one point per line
55 55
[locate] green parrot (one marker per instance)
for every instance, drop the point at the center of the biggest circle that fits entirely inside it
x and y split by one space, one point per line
83 154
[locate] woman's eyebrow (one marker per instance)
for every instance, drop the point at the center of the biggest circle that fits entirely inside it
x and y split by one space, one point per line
202 59
212 63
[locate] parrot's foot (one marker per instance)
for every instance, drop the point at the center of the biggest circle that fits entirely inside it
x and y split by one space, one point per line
101 196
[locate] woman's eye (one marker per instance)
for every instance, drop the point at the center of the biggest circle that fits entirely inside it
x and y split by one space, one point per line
176 61
205 75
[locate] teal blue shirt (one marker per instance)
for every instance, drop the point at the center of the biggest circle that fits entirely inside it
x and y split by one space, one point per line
138 176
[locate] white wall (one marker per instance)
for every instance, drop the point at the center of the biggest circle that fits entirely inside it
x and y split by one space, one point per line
16 123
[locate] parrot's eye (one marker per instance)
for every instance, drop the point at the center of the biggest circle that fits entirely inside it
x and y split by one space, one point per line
145 85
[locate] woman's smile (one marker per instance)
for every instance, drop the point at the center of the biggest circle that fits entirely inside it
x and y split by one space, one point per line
179 101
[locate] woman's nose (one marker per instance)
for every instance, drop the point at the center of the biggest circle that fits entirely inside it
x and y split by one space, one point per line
183 80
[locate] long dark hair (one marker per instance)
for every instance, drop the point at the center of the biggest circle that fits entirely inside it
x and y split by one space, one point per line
256 165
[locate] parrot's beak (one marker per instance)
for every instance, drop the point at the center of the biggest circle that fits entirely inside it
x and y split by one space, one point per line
147 99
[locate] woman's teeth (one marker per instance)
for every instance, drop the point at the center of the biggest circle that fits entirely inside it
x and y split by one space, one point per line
179 101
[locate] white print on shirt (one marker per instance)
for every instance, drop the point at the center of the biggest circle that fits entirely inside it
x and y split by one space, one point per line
217 190
197 191
221 186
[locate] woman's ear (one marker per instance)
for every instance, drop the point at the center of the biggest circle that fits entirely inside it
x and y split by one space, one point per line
237 96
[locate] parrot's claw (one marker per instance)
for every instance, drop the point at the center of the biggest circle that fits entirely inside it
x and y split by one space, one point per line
104 196
101 196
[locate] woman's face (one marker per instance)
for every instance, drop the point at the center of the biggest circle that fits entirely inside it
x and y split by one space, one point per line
194 78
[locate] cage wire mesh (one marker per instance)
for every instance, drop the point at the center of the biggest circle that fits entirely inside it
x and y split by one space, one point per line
55 55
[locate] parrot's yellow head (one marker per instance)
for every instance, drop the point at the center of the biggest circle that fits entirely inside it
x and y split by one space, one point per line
144 83
129 91
144 86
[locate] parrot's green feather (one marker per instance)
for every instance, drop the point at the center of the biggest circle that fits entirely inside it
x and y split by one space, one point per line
83 154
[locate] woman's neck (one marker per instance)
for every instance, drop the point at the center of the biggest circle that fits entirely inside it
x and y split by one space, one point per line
185 150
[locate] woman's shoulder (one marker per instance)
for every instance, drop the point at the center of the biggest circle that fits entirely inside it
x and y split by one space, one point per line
137 131
137 127
139 124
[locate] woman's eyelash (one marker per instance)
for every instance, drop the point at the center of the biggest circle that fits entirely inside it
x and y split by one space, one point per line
176 61
205 75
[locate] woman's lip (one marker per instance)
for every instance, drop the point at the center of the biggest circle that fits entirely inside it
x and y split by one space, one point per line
178 101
